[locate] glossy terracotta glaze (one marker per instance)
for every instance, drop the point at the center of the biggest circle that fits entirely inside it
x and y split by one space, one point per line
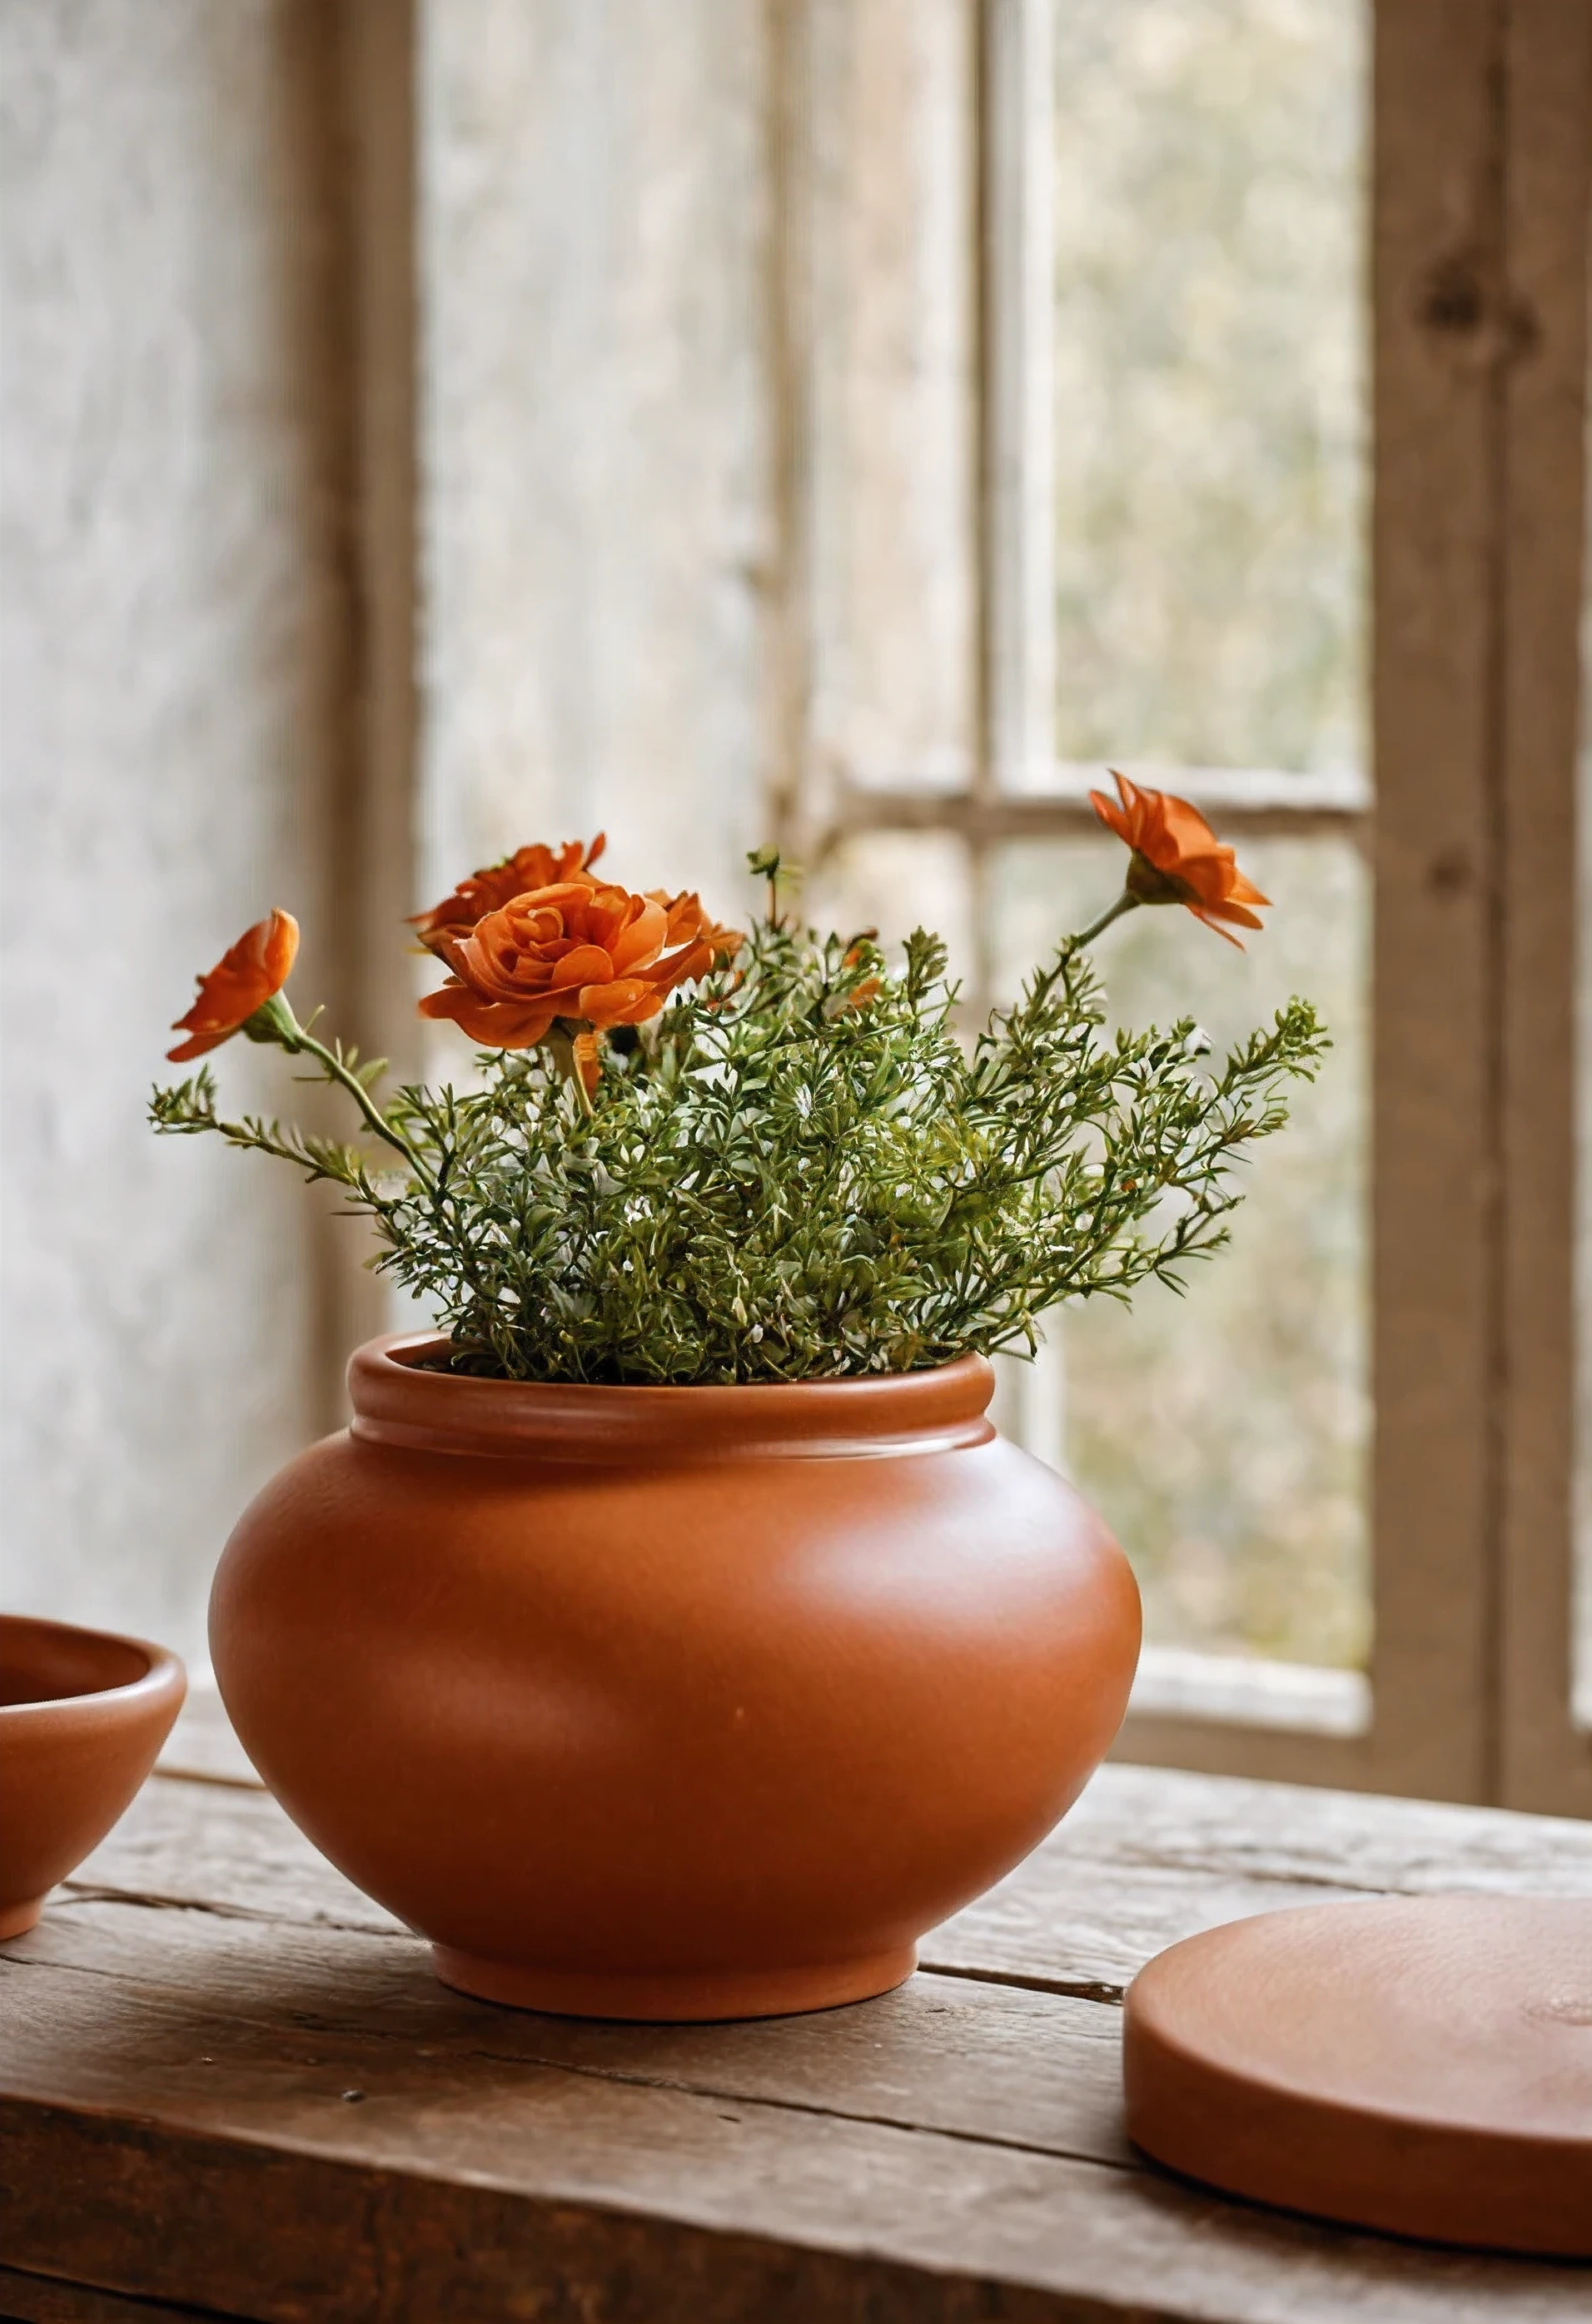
83 1715
671 1702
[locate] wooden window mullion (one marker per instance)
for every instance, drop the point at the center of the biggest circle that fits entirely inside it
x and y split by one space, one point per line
1437 252
1540 333
1478 245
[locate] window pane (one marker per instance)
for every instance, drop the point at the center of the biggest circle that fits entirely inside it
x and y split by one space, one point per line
594 505
1210 357
1223 1435
894 881
888 256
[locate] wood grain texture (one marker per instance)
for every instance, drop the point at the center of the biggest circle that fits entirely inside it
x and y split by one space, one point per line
461 2185
228 2081
974 2060
45 2300
1437 271
1484 132
1544 1761
1148 1856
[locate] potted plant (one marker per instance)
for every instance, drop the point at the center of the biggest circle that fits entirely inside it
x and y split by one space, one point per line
670 1635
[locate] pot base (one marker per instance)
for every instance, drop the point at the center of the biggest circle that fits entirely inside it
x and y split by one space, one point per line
16 1920
676 1997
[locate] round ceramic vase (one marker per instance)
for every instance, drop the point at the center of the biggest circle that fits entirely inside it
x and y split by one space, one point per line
677 1703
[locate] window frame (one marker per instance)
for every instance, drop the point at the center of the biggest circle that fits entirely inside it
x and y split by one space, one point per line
1480 130
1480 153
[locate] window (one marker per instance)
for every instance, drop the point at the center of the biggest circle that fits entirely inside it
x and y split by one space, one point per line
1203 270
851 421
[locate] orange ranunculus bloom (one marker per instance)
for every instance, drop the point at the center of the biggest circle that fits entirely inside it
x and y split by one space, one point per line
241 982
587 954
1178 858
497 884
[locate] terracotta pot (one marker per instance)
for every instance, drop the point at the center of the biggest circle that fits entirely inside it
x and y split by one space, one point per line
671 1702
82 1717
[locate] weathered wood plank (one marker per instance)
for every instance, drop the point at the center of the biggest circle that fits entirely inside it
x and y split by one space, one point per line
1148 1856
45 2300
169 2148
953 2149
954 2054
1436 264
229 1851
1545 1762
1205 1826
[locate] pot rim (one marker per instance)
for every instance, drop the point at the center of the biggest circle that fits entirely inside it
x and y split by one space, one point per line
398 1402
163 1676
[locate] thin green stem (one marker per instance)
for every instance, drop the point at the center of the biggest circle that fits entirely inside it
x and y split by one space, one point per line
1113 911
335 1071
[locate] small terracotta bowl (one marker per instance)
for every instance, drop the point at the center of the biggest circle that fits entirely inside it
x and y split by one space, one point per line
82 1717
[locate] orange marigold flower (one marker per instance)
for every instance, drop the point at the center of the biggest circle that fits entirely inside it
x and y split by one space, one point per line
574 952
497 884
1177 857
242 980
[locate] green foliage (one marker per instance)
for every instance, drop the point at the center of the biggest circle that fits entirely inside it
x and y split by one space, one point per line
190 1109
799 1170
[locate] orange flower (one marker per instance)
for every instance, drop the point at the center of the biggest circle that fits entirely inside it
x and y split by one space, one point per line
577 952
1178 858
241 982
497 884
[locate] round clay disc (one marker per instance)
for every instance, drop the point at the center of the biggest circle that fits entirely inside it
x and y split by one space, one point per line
1418 2064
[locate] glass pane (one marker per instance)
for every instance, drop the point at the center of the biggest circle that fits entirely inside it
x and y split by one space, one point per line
1210 360
593 499
1223 1435
894 881
891 319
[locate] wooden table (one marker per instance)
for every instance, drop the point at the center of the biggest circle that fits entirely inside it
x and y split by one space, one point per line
229 2084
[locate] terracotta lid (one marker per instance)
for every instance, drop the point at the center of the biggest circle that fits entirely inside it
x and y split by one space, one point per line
1421 2065
398 1401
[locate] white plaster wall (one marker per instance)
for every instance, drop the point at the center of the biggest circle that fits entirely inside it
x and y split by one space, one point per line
169 632
601 565
598 515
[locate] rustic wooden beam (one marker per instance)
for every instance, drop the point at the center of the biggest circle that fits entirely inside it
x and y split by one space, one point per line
1544 1761
990 818
46 2300
1437 273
